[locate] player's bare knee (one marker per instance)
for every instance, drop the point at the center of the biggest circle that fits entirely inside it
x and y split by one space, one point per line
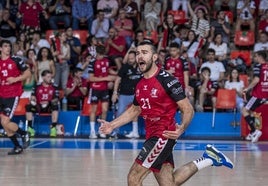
134 177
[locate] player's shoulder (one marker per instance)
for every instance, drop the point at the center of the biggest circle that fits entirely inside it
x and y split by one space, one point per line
166 78
55 85
17 59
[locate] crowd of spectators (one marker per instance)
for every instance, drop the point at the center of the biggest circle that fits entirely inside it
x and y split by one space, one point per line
203 41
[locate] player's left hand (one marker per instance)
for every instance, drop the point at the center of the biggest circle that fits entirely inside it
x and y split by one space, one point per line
174 134
11 80
106 127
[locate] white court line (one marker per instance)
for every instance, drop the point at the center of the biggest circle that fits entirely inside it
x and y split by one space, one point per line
40 143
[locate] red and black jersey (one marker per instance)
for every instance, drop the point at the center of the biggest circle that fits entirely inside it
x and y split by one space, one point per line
100 68
11 67
261 89
76 92
45 93
179 66
157 97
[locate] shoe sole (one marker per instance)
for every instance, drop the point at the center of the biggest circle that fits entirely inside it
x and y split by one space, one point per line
221 155
254 140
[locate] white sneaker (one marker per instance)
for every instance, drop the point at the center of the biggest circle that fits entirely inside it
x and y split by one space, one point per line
249 137
93 135
255 136
132 135
102 135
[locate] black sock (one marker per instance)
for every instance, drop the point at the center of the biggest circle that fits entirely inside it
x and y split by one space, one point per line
21 132
14 140
250 121
30 123
54 124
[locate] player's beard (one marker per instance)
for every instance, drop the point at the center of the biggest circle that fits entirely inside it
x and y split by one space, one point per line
148 66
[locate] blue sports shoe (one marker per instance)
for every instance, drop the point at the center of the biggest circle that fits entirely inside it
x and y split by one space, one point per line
218 158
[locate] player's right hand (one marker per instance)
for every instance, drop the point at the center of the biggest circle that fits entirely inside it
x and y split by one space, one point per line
114 98
106 127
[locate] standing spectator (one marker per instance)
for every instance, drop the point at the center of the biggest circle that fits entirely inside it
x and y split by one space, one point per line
13 7
220 48
30 12
169 28
132 11
44 99
245 12
75 46
124 27
263 24
44 62
82 13
76 89
152 10
206 90
115 47
259 94
220 26
124 89
100 27
110 8
13 72
98 77
21 45
7 27
263 42
62 53
180 4
38 42
235 83
200 25
60 12
217 69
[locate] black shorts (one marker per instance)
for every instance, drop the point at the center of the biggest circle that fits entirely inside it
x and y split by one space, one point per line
42 109
155 152
254 103
99 95
8 106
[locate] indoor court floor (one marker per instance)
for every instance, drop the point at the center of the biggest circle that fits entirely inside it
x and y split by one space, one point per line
84 162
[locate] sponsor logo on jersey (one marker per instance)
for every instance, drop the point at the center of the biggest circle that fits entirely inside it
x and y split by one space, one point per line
172 83
154 93
145 87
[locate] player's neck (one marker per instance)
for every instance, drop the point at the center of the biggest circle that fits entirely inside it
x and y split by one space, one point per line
4 57
151 72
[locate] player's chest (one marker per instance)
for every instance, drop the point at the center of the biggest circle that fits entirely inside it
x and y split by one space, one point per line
45 90
173 64
8 69
102 66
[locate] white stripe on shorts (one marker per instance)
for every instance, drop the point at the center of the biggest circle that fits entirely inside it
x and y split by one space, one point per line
250 103
15 104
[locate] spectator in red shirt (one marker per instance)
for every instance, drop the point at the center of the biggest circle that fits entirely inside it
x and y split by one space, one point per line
263 25
115 47
76 90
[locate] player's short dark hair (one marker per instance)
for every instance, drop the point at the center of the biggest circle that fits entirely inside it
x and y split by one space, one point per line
147 42
205 69
100 11
100 49
211 50
28 52
262 53
132 52
77 69
5 41
45 72
174 45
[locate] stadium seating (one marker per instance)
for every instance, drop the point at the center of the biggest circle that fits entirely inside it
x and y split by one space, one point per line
244 38
245 54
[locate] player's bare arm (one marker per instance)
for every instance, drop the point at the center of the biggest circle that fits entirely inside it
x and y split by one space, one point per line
26 74
253 83
131 113
187 113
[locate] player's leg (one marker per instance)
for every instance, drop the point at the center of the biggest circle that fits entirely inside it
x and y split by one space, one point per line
134 133
137 174
30 109
94 99
54 109
104 107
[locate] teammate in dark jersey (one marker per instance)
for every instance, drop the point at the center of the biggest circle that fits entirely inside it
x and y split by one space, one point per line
13 71
158 95
259 94
44 99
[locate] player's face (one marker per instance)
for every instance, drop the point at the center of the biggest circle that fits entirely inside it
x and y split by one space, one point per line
79 74
5 49
174 52
145 58
47 78
131 59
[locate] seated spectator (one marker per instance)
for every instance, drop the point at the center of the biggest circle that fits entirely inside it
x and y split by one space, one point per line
115 47
263 6
124 27
44 99
200 25
245 14
76 90
82 13
225 5
191 46
75 47
21 45
132 12
217 69
139 37
152 10
31 59
44 61
235 83
38 42
110 8
60 12
161 60
220 26
220 48
263 42
206 90
169 27
263 24
7 27
13 7
100 27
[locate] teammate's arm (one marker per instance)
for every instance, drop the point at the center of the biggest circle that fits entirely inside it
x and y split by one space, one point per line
25 74
256 78
131 113
116 88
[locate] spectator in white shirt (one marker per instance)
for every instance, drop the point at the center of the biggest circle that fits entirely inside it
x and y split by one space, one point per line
100 27
263 42
245 11
38 43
